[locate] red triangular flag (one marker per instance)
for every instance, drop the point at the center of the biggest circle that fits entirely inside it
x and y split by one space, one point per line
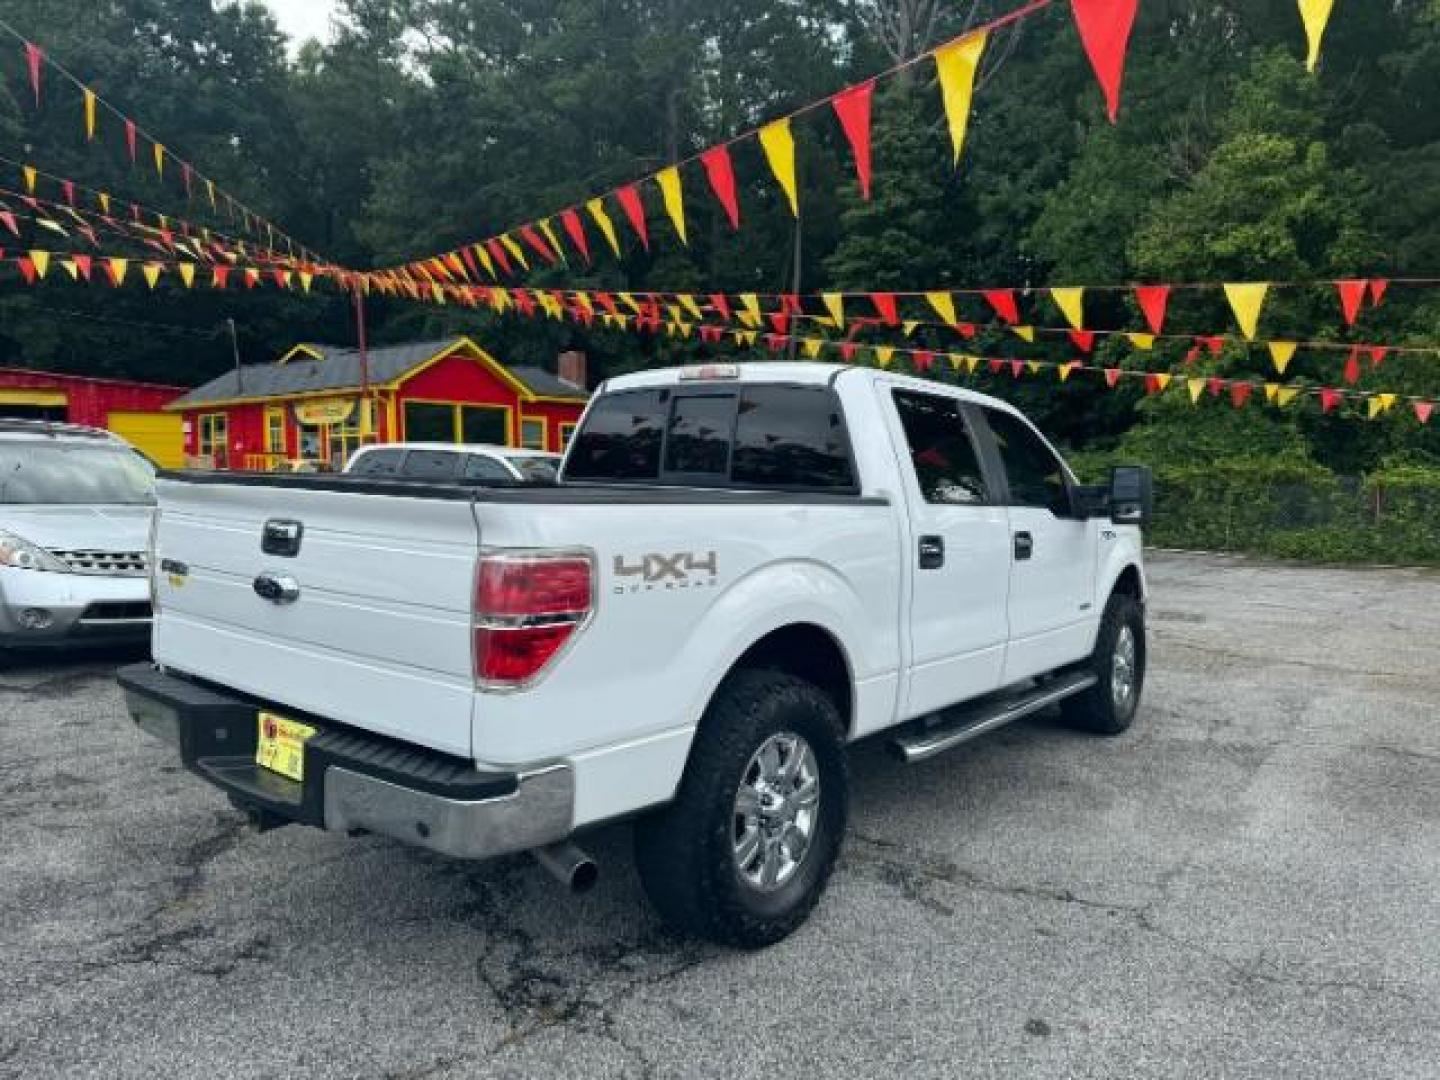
924 359
575 229
82 265
1377 355
1329 399
536 241
68 187
852 106
721 172
790 302
1352 295
469 260
1152 383
1216 386
34 58
1153 301
8 220
27 268
1003 301
629 197
1112 376
1105 27
220 277
967 330
1423 409
1017 368
887 307
776 342
502 260
721 303
996 366
780 320
1377 290
130 140
1352 367
1215 344
1084 340
1240 393
847 351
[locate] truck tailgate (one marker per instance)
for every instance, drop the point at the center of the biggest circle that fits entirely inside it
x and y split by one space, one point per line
379 635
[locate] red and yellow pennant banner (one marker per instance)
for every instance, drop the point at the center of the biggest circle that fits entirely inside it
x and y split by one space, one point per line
90 107
37 265
1104 28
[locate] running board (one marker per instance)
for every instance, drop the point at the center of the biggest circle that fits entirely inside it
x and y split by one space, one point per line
971 723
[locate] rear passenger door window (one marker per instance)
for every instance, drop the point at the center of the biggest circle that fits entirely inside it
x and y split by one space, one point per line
947 466
791 437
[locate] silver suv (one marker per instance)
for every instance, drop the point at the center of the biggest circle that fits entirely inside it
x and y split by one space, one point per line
75 511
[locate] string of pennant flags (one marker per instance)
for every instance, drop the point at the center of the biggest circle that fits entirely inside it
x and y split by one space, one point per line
38 265
1104 28
1239 392
140 142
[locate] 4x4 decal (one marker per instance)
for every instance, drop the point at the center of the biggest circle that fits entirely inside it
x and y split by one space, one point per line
682 570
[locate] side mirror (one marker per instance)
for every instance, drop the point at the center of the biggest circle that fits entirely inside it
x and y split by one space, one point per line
1132 495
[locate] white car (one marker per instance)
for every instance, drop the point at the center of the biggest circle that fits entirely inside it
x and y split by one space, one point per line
743 569
76 505
475 463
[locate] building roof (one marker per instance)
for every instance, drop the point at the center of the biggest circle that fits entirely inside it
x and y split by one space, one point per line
298 373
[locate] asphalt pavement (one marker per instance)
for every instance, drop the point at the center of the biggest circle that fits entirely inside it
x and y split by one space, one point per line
1246 885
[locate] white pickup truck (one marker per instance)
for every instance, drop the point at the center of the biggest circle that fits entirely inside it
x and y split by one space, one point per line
742 569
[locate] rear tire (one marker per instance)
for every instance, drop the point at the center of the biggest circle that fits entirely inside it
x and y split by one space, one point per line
744 852
1109 707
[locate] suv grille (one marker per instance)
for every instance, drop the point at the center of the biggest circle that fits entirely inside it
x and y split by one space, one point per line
105 563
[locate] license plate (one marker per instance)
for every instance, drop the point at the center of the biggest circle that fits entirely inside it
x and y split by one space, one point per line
281 747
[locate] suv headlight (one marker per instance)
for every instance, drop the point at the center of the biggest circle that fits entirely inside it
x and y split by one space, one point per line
20 553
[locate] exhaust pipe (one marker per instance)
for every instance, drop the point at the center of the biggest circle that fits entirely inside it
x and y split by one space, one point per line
568 865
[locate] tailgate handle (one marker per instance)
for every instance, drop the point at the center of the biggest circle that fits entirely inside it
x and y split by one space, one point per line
277 589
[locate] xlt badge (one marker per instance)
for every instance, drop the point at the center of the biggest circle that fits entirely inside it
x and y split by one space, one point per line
683 570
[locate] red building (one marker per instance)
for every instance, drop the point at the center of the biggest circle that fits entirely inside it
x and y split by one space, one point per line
314 406
134 411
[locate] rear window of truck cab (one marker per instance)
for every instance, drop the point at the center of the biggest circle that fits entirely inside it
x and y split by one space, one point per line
762 436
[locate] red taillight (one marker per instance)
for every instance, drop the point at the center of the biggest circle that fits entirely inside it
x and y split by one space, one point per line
527 607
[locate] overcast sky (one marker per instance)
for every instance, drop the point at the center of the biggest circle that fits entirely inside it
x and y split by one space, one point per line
303 19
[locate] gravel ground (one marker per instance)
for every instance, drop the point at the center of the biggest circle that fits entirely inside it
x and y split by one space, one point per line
1246 885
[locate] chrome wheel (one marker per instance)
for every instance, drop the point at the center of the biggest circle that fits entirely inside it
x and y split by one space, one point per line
776 811
1122 670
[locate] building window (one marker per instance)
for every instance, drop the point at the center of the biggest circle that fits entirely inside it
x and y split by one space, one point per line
214 436
532 433
485 424
275 431
567 432
427 422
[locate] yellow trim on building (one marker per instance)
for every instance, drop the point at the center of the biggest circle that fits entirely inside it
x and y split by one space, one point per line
44 399
309 350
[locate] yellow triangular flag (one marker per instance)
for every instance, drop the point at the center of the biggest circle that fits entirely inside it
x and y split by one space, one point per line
971 363
159 159
909 326
672 312
210 187
1024 333
751 315
89 115
1064 370
1316 15
944 305
485 260
1246 301
104 202
30 177
438 292
41 259
306 279
1272 390
152 272
884 355
835 304
778 143
1196 388
956 64
118 269
549 231
72 268
1071 303
1281 353
813 347
602 219
674 197
1163 381
1382 403
957 361
516 251
1034 366
1287 395
187 274
1144 342
690 304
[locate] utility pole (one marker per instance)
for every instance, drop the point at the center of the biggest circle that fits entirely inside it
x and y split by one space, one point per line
239 370
365 428
795 280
